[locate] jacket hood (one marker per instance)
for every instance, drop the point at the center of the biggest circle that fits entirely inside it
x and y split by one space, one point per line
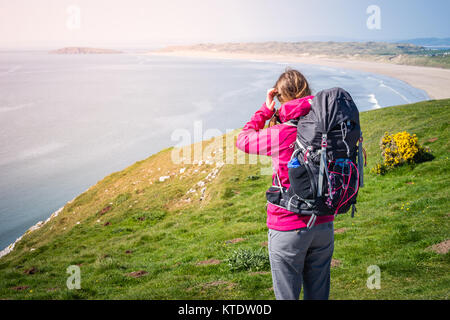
295 108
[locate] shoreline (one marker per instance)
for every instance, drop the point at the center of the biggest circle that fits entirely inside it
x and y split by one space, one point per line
9 248
434 81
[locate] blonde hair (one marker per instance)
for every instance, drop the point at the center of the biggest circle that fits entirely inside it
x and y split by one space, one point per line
290 85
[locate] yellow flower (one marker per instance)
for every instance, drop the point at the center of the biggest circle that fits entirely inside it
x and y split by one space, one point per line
397 149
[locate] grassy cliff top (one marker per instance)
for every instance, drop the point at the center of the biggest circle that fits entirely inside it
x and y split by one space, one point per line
137 234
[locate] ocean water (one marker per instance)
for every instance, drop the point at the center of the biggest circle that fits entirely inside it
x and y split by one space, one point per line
66 121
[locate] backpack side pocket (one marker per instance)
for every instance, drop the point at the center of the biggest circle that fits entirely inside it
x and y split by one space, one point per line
301 182
273 195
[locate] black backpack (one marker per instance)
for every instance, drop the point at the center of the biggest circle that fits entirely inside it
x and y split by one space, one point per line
326 167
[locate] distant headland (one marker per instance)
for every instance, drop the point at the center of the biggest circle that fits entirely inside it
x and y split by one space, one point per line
84 50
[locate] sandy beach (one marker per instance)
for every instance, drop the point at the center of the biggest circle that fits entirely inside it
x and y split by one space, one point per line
434 81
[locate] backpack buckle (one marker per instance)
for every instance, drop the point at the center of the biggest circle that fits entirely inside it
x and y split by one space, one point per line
324 141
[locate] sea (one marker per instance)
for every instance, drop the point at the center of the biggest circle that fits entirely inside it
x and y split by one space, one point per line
67 121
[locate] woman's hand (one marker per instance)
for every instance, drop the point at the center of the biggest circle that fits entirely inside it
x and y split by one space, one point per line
270 103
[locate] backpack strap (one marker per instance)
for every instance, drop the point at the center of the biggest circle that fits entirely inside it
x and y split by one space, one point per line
279 183
292 123
353 210
361 161
311 221
323 161
302 147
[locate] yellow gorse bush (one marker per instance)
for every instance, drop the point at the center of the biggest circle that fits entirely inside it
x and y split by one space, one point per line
398 149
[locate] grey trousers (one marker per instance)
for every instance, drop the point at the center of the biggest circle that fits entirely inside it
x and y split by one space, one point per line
301 257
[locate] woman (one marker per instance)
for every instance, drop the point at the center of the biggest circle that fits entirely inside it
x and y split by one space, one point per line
298 256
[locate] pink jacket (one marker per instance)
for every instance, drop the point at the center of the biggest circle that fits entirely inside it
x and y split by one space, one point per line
277 142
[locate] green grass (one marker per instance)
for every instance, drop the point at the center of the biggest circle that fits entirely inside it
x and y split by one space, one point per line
152 228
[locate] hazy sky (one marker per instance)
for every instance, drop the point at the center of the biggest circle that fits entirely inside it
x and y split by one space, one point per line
144 22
